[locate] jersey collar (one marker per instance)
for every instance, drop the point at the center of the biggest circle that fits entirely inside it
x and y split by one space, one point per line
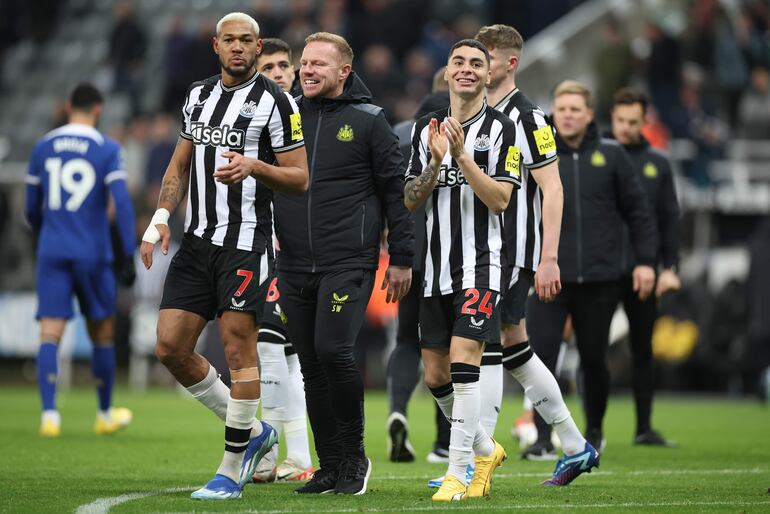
506 98
238 86
476 117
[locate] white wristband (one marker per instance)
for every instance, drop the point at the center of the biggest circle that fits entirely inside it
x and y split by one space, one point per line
151 235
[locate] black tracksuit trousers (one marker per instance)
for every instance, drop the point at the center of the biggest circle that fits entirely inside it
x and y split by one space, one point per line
591 306
324 313
641 319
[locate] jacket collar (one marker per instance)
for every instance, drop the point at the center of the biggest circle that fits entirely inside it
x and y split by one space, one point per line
589 141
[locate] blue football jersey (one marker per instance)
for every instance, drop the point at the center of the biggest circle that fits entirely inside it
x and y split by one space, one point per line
68 184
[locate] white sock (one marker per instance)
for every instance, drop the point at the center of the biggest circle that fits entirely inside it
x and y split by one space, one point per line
274 382
491 382
465 422
297 444
238 428
297 449
541 388
482 443
52 415
212 393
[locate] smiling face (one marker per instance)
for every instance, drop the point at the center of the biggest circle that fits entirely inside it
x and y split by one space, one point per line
322 73
237 46
277 68
467 71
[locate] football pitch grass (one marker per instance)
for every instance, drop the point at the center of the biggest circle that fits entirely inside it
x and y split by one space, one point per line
174 446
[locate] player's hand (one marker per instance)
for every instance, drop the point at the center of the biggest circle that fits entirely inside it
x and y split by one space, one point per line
398 280
548 280
667 281
236 171
437 143
148 247
455 137
644 280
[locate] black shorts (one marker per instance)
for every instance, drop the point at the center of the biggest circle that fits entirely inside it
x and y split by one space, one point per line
471 313
272 326
515 298
207 279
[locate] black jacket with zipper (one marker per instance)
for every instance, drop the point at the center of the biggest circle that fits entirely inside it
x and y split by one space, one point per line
601 194
356 177
654 172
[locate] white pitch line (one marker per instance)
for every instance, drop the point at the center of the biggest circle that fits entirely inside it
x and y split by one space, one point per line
727 471
540 506
103 505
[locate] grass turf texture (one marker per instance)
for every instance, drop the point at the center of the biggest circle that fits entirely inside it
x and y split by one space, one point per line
723 464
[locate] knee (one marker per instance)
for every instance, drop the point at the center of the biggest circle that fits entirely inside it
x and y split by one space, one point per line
169 353
436 378
513 335
336 359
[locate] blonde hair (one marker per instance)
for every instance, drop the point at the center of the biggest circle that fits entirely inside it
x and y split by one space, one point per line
339 42
238 16
501 36
573 87
439 82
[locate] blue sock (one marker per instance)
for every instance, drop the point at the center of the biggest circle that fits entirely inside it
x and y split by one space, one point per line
103 369
47 372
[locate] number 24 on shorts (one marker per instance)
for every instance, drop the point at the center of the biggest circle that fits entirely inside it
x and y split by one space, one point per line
484 306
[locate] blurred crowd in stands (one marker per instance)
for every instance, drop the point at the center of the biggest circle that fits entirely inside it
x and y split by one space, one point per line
704 63
705 66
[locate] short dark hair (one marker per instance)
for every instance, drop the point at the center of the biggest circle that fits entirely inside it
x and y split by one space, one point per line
273 45
85 96
631 96
473 43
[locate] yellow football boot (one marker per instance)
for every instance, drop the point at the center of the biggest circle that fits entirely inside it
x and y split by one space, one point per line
485 466
451 490
50 428
119 419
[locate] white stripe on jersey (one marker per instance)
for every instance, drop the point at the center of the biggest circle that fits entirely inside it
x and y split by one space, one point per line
455 258
252 119
525 251
115 175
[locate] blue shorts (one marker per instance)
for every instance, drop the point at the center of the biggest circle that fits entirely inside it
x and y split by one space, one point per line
93 283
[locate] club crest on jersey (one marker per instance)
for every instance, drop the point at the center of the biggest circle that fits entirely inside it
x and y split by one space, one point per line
345 134
482 143
223 135
249 109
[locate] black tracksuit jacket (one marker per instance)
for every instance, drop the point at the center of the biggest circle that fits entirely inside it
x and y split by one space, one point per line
601 194
654 172
356 177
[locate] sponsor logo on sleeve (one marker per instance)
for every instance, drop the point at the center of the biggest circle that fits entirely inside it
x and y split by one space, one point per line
545 141
296 126
513 160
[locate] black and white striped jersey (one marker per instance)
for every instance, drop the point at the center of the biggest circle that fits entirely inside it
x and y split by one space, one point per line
464 240
523 217
256 119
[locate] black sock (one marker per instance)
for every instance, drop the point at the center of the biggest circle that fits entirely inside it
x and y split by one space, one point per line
403 374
